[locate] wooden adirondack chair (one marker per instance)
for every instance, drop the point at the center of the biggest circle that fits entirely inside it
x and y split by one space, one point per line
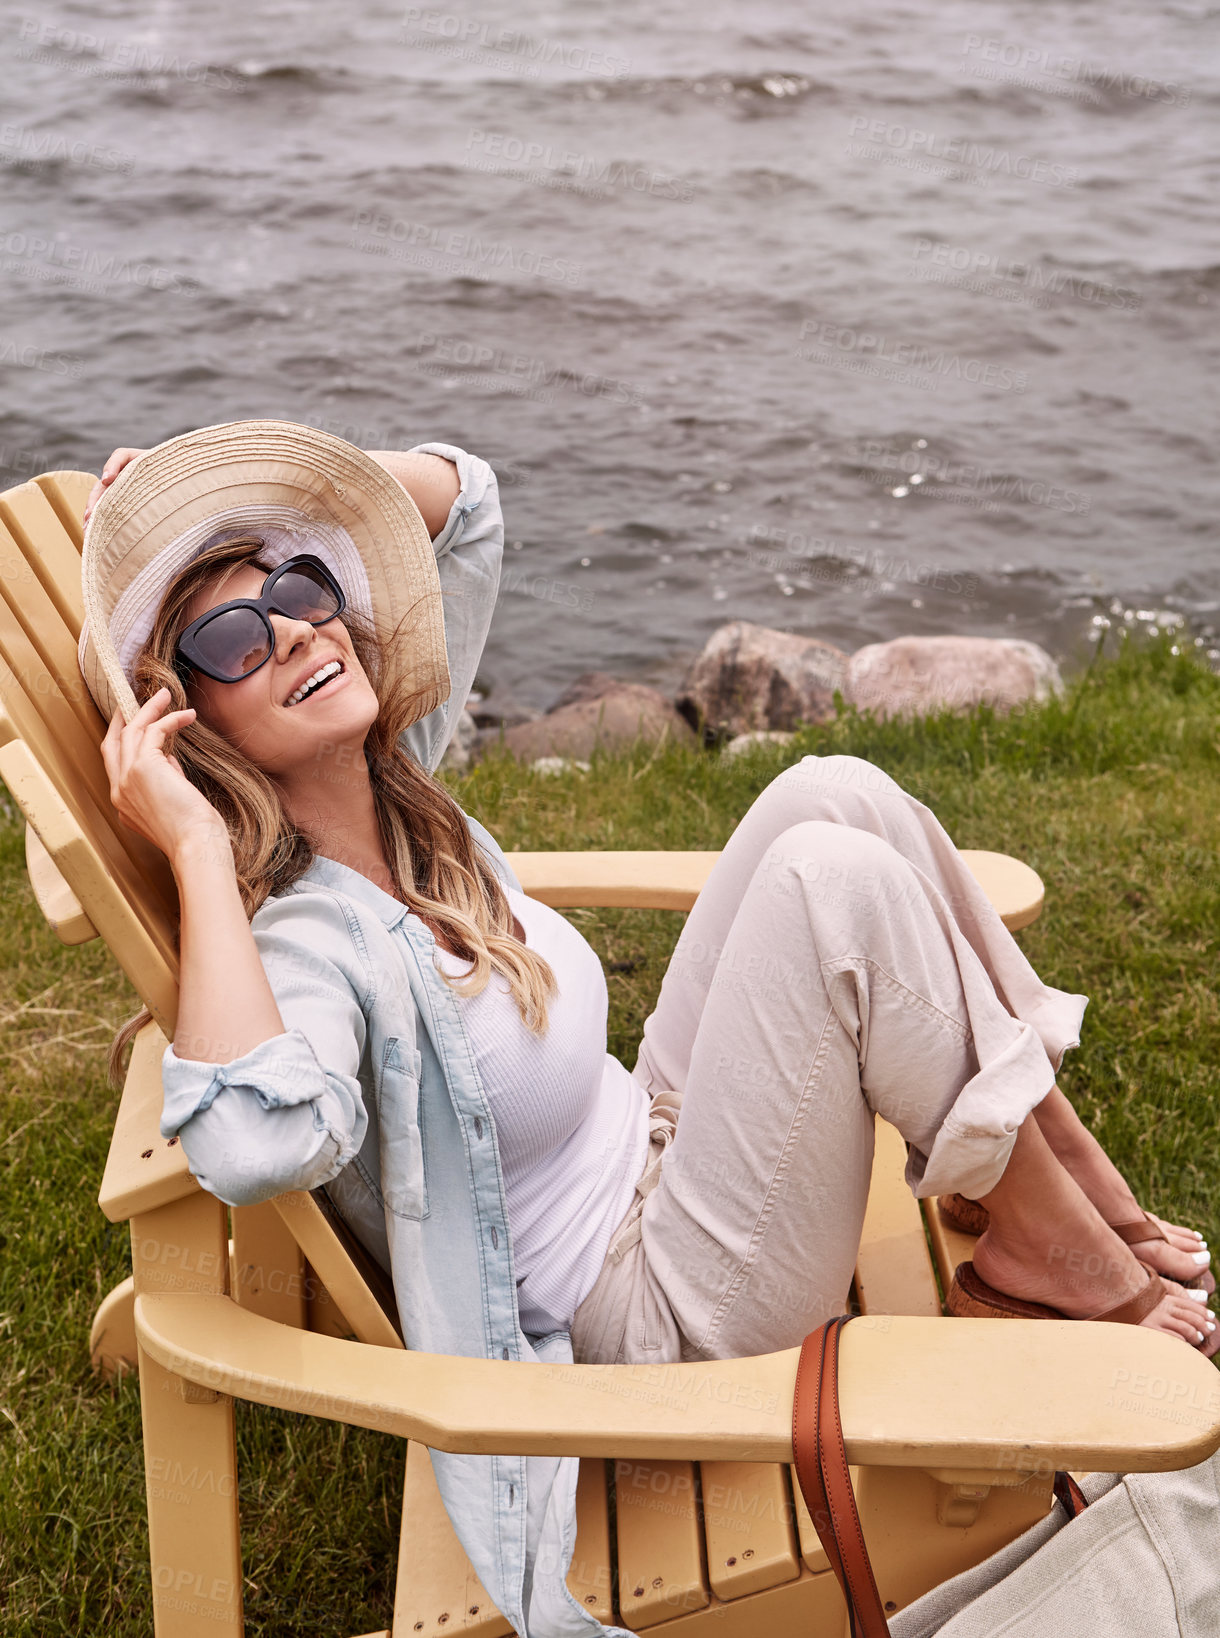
955 1426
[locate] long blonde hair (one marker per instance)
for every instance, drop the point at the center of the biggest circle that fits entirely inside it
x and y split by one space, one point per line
437 869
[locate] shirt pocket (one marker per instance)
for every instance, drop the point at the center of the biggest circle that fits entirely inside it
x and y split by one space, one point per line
404 1178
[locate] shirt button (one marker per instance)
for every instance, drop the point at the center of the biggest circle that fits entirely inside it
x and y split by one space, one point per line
504 1352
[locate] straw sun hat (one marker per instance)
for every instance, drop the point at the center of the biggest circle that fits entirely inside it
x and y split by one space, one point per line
301 490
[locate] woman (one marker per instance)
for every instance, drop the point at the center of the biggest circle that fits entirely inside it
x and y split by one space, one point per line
369 1004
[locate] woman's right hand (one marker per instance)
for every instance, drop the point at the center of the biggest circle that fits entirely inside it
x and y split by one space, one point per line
150 792
114 465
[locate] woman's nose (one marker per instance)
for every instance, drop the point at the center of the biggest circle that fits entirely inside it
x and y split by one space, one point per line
289 634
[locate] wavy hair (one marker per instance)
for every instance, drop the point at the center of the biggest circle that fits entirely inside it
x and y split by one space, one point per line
438 871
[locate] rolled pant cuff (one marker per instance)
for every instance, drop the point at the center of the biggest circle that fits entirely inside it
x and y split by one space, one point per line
1057 1019
976 1137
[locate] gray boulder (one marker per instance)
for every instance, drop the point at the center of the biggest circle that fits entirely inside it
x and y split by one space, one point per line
599 712
911 675
750 678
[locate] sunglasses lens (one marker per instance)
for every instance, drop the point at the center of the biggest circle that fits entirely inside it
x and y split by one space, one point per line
234 642
303 594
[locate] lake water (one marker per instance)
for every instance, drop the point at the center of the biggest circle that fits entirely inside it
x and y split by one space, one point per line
903 322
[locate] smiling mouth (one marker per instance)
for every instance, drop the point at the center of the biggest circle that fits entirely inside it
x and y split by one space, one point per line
323 675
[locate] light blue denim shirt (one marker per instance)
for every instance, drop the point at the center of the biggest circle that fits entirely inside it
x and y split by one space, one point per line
373 1092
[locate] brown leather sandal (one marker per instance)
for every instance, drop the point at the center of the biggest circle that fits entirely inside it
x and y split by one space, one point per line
970 1297
969 1217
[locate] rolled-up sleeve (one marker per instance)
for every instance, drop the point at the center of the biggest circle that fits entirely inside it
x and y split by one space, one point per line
469 551
290 1113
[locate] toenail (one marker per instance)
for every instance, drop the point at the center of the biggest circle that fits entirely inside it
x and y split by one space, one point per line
1201 1257
1196 1296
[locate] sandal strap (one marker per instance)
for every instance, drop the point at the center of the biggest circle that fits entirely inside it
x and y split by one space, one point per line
1138 1307
1134 1234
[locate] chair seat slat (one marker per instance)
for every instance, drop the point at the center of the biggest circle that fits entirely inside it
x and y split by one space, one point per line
660 1558
748 1525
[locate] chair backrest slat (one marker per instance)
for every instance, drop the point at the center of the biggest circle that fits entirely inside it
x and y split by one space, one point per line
40 617
143 956
71 760
123 884
34 516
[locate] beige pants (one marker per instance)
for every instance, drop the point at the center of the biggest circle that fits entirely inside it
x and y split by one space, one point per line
841 962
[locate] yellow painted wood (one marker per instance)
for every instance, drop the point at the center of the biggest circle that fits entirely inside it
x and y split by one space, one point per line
144 951
965 1399
41 582
1013 887
809 1607
190 1456
54 897
68 493
672 881
39 516
112 1338
640 881
269 1270
911 1552
437 1592
894 1272
949 1245
589 1579
340 1274
660 1560
143 1169
63 729
54 716
748 1527
325 1315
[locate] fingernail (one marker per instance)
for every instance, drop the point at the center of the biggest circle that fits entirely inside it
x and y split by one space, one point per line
1201 1257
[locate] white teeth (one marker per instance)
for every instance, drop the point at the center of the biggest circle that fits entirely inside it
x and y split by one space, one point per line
321 675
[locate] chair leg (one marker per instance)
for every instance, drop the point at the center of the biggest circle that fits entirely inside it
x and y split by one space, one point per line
190 1454
112 1338
194 1535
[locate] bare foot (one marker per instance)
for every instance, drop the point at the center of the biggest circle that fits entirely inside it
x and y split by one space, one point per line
1183 1258
1046 1242
1083 1283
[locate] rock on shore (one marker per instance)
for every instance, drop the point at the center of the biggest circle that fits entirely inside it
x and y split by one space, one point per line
911 675
598 711
751 685
749 678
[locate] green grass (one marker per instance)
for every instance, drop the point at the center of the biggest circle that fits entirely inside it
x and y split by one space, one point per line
1110 793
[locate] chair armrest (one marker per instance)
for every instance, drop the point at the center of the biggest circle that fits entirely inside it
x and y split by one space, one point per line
58 903
1026 1395
143 1169
673 881
622 880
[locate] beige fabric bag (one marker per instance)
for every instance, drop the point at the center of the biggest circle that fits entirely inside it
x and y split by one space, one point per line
1143 1559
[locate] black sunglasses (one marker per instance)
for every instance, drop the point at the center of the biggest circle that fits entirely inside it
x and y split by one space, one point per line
232 640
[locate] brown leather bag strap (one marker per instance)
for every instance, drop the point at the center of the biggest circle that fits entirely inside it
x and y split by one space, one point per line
1070 1495
825 1479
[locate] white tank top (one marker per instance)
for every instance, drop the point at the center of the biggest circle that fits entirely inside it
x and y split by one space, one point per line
571 1124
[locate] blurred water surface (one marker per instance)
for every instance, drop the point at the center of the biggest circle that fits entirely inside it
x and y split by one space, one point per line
903 321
